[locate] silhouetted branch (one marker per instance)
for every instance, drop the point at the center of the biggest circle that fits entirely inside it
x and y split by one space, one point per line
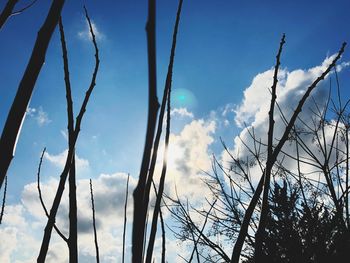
94 223
41 197
7 11
73 225
3 200
64 174
19 106
125 216
269 163
165 101
140 210
23 8
201 233
163 234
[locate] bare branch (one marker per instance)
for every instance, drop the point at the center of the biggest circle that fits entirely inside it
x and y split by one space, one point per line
125 216
94 223
42 200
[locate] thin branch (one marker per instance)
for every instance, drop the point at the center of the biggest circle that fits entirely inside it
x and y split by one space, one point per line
269 162
3 201
201 232
94 223
23 8
73 225
7 11
42 200
125 216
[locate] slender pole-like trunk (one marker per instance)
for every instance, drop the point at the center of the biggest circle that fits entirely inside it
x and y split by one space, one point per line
140 212
73 225
125 216
19 106
166 100
269 164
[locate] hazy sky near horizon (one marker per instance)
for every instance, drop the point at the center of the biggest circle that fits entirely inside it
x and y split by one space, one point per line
222 47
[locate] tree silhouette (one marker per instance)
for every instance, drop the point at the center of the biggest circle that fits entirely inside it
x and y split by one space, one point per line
246 219
71 152
25 89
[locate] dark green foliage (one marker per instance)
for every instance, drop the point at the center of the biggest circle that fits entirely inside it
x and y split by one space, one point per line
299 233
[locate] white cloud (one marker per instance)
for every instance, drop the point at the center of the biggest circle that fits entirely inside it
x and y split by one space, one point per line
253 111
188 156
86 35
181 112
41 117
59 160
291 85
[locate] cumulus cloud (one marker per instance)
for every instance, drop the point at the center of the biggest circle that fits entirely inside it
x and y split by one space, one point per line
252 113
23 223
59 160
41 117
189 156
291 86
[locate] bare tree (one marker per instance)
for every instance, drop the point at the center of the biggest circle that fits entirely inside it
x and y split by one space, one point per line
71 151
239 205
277 149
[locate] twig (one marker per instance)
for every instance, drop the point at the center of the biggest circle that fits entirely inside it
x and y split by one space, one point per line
23 9
7 11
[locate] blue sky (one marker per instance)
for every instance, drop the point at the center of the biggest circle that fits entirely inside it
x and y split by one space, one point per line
222 46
